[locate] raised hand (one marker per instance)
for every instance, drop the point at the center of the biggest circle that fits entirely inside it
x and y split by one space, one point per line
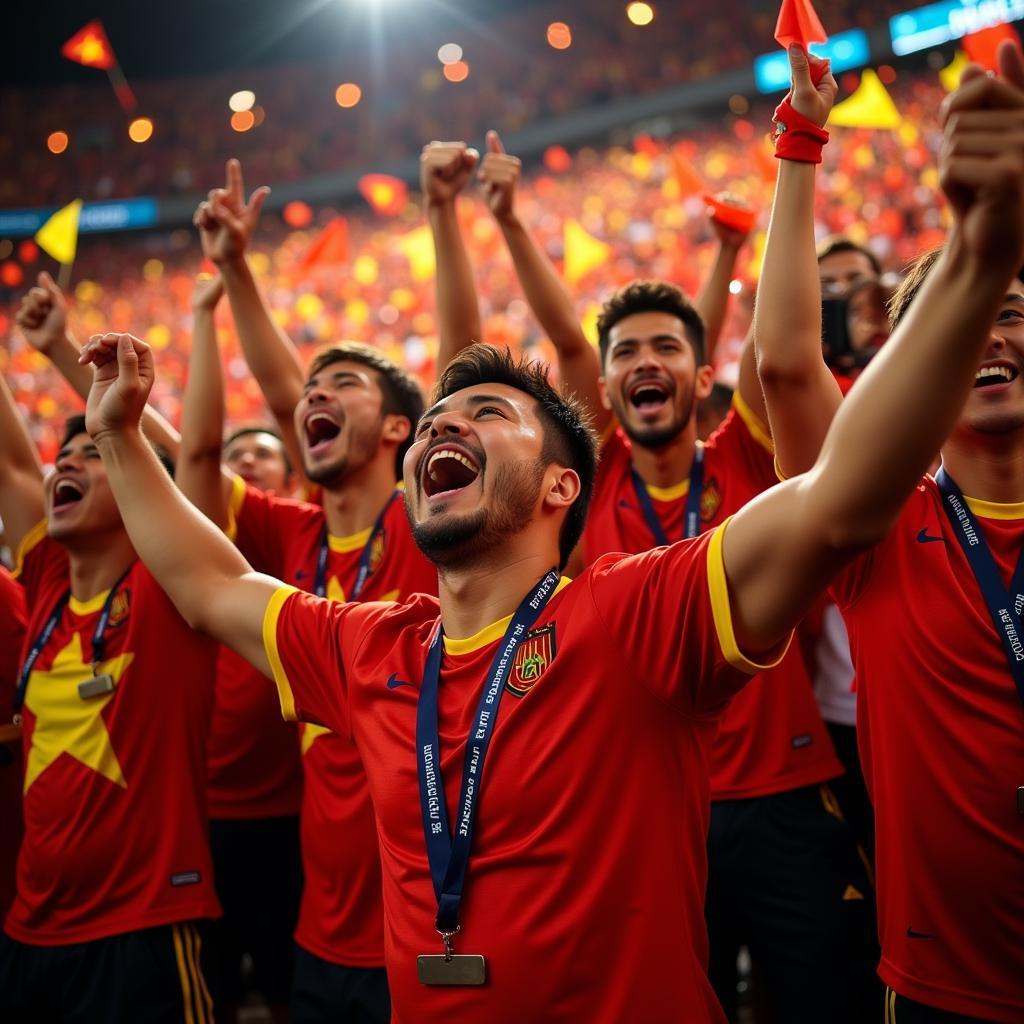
499 175
207 293
225 220
445 168
812 100
42 316
981 162
729 235
122 380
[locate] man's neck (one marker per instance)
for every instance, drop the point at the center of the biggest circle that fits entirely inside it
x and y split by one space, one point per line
96 566
354 504
670 464
475 596
987 466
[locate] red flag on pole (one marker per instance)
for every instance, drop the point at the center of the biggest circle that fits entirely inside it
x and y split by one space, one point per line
329 247
387 195
982 46
799 23
91 47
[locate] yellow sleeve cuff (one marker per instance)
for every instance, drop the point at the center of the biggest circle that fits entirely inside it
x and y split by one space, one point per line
270 617
235 502
757 430
28 542
721 610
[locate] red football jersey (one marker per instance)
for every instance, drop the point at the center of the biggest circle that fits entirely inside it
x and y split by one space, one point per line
941 730
12 637
772 738
341 918
586 881
115 785
253 755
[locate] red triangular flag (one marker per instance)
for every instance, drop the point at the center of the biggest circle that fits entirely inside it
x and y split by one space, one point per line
329 247
91 47
798 23
983 46
735 215
384 193
687 176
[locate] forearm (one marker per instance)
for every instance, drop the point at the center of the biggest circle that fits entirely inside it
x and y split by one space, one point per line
713 300
458 310
63 354
271 356
801 395
21 473
552 305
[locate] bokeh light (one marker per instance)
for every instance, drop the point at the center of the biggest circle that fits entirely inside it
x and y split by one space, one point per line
57 142
297 214
450 53
738 104
28 251
559 35
259 114
6 248
887 73
243 120
348 94
242 100
640 13
457 72
11 275
140 130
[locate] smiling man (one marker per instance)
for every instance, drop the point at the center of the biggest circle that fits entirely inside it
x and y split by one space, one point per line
109 897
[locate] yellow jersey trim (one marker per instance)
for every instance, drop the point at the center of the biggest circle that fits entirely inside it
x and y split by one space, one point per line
995 510
721 609
270 617
353 542
94 604
758 431
490 633
235 502
28 542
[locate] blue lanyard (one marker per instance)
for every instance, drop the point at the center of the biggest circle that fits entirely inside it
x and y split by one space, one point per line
691 524
448 854
98 637
1004 608
363 569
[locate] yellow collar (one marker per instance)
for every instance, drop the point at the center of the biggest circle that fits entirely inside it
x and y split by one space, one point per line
995 510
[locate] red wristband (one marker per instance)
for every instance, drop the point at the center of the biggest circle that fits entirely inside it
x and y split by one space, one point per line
797 137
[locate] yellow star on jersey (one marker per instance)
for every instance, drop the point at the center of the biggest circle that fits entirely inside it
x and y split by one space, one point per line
335 592
66 724
311 733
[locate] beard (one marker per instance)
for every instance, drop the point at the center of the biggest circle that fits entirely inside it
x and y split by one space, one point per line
458 539
657 436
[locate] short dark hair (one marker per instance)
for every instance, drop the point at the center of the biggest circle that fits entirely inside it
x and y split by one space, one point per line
841 243
402 395
75 425
651 297
568 436
260 428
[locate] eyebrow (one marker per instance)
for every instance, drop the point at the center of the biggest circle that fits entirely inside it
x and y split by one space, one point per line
86 449
1015 297
336 375
473 400
660 336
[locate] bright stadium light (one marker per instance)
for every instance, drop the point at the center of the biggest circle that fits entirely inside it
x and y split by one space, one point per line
242 100
640 13
450 53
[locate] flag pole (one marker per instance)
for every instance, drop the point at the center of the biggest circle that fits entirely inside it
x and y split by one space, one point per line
122 90
64 276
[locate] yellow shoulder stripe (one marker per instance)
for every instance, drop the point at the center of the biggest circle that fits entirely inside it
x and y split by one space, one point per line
28 542
235 502
757 430
270 617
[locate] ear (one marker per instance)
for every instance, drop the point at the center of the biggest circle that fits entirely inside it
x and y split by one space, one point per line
704 382
562 487
602 386
395 429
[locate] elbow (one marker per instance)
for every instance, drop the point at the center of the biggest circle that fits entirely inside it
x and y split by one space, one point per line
787 374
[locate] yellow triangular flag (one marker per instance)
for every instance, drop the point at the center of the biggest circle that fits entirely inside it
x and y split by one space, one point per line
418 246
583 252
59 235
949 76
869 107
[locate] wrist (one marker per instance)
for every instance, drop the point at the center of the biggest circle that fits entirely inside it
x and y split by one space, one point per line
228 263
508 220
117 438
439 207
797 137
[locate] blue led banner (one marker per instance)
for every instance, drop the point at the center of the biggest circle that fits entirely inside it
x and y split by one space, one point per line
940 23
846 50
112 215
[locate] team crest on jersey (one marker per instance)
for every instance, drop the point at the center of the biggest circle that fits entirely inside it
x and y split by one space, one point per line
710 500
119 608
377 550
533 658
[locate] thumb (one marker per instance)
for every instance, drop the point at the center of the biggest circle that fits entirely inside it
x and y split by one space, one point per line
799 68
494 144
47 282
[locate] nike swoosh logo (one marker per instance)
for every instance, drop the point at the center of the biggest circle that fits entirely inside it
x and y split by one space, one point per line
911 934
394 681
924 537
300 574
624 504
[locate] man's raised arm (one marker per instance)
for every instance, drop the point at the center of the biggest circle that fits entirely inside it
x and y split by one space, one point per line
782 549
552 305
21 474
445 169
209 582
713 301
226 223
801 395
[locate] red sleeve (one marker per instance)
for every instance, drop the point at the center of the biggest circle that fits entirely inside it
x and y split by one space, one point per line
746 444
12 635
254 528
40 562
668 612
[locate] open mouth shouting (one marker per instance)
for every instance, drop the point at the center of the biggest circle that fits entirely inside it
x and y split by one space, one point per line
995 377
649 397
66 493
321 429
447 469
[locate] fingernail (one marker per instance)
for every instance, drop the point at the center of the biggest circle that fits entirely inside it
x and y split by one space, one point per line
795 48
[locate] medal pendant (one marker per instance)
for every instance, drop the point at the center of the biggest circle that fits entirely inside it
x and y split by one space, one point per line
96 687
456 969
1020 801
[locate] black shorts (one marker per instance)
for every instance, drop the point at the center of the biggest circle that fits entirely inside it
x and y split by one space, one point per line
900 1010
786 879
153 975
257 868
323 991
